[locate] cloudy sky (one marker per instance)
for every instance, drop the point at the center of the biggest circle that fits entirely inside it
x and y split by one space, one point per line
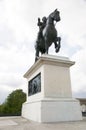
18 31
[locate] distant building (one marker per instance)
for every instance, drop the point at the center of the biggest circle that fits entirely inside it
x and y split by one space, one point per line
83 105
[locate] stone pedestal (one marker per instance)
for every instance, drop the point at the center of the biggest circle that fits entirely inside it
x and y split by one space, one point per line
54 101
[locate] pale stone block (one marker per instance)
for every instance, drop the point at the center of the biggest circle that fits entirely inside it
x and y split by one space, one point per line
54 103
52 110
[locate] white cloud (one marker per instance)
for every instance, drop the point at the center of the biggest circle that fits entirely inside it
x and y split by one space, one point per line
78 73
18 31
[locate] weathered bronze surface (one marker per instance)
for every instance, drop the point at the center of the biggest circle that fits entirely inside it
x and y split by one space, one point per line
47 34
34 85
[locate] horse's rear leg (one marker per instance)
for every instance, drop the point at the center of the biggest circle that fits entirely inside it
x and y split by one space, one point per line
46 47
37 54
57 46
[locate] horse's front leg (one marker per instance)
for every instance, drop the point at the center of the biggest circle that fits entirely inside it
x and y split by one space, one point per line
57 46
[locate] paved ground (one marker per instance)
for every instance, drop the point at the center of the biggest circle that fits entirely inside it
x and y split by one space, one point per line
19 123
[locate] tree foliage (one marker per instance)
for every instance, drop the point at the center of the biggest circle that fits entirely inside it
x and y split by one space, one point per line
13 103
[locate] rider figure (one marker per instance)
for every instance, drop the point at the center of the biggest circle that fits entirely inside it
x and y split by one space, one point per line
41 27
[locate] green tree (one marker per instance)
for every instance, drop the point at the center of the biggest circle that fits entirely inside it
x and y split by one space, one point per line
13 103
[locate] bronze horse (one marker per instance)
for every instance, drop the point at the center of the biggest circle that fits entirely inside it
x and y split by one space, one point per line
47 34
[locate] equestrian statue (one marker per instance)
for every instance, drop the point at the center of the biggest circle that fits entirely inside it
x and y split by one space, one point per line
47 34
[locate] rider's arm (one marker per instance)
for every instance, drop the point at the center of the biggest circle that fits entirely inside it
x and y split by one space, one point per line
39 22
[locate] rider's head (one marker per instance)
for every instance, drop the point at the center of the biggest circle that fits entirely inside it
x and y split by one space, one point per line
44 19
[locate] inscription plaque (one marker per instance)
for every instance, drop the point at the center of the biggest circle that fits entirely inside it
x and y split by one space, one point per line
34 85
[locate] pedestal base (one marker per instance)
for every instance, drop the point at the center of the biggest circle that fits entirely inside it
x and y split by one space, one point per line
52 110
53 103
